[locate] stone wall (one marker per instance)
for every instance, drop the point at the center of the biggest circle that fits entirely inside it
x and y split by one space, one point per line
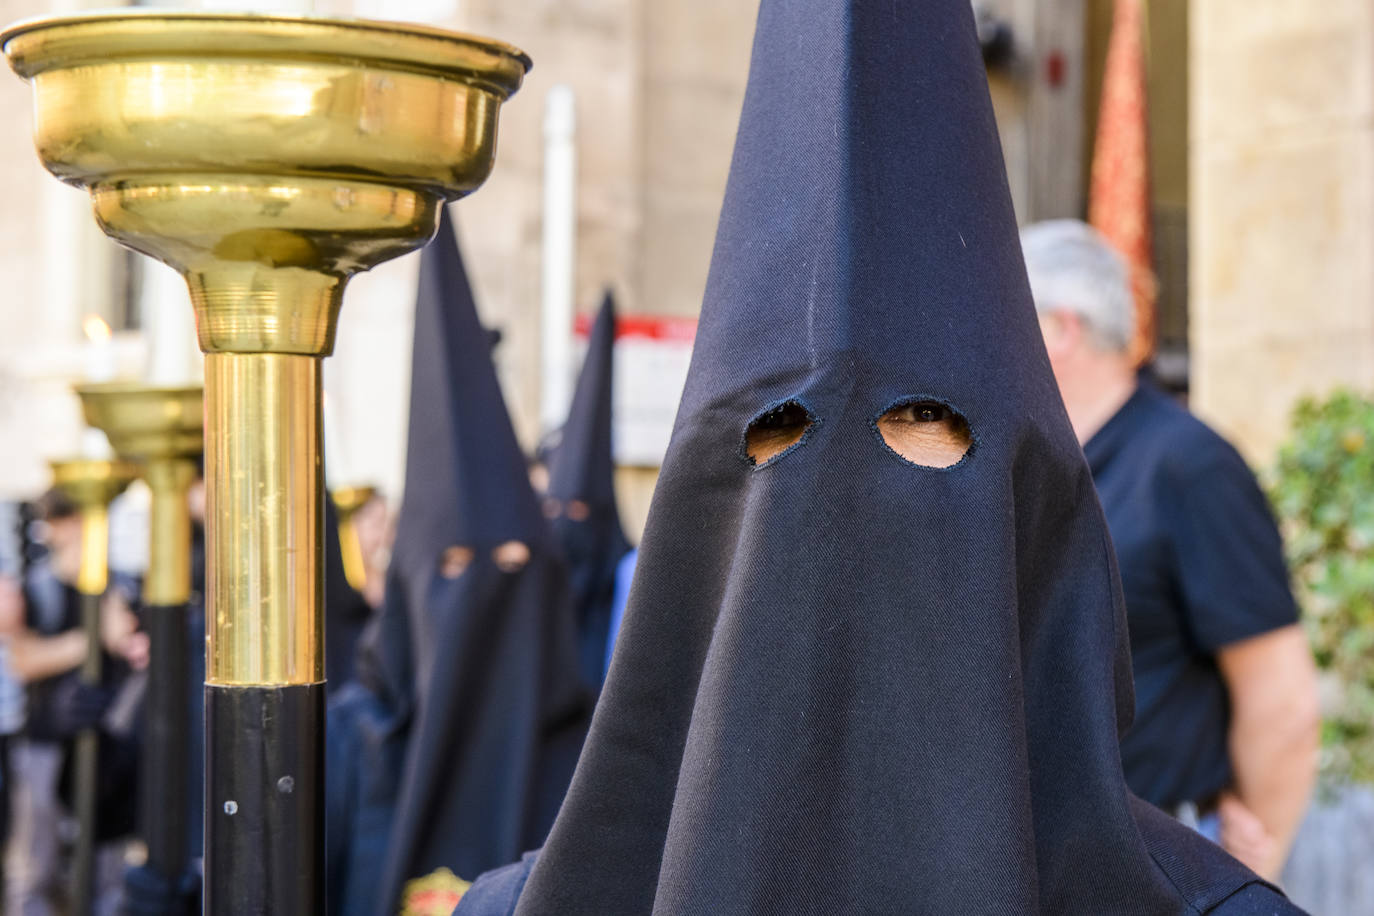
1281 186
1282 209
658 85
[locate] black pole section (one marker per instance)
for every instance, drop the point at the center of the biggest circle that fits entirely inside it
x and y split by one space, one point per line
163 767
264 785
87 768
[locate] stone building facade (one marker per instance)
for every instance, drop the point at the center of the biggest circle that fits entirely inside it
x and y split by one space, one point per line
1264 175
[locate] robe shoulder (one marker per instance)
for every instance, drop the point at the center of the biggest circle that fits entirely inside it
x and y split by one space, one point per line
1257 900
496 892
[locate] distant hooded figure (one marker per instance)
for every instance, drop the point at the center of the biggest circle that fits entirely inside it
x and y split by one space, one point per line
581 498
875 655
451 753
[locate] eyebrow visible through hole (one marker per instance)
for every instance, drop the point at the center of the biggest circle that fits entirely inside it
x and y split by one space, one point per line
775 431
926 432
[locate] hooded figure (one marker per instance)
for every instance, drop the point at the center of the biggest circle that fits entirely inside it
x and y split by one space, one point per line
452 752
875 654
581 497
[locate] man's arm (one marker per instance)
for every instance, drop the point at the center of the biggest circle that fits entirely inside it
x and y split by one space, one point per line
34 657
1273 740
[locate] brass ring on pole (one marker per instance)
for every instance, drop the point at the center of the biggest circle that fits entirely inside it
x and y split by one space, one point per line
265 573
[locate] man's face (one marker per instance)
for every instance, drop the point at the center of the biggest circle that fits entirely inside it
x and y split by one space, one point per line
1063 333
63 537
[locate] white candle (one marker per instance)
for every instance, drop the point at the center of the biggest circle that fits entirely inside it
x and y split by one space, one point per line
100 367
100 354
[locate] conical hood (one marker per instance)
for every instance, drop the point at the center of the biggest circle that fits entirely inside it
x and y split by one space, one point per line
581 467
466 480
874 659
474 654
581 496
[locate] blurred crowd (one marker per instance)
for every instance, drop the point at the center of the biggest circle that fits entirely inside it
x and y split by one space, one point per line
44 702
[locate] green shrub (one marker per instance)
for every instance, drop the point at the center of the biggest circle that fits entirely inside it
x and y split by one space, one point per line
1323 491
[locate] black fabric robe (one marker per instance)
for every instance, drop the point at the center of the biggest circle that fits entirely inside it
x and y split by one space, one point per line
581 498
846 682
451 753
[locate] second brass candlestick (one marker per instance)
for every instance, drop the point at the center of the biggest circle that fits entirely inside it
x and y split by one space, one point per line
161 428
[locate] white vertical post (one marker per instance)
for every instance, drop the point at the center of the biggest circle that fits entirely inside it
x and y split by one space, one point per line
64 212
336 472
559 250
99 367
170 324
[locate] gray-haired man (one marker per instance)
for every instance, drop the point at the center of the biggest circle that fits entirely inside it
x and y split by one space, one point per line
1226 709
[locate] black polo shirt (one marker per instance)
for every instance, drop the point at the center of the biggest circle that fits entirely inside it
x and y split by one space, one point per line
1202 567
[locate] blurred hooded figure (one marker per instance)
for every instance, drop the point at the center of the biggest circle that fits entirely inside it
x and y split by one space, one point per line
875 657
580 502
346 611
452 751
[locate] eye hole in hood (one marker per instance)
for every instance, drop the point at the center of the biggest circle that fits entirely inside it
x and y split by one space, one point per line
925 432
454 561
775 432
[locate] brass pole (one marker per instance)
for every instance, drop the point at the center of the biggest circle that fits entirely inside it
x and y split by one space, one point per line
265 669
268 159
168 582
265 506
164 795
161 426
91 484
95 530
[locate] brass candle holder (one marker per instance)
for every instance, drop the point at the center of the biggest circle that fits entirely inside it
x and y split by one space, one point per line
348 500
160 427
91 484
267 159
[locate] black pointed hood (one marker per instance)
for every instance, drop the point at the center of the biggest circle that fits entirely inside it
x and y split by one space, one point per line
581 497
475 650
460 431
850 682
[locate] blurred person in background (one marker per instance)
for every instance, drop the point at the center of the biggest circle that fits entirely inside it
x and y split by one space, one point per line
11 695
1227 722
46 646
376 530
346 609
